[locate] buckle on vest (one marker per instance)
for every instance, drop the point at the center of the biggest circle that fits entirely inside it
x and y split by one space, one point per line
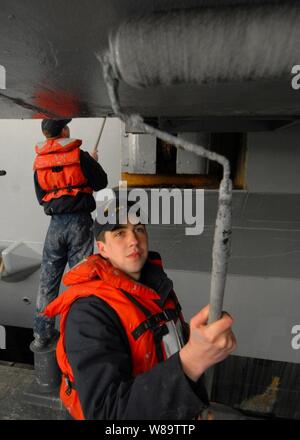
68 390
153 322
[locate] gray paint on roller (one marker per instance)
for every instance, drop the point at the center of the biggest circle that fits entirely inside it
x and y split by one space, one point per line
241 43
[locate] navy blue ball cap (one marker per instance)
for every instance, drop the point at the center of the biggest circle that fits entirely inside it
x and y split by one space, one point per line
54 126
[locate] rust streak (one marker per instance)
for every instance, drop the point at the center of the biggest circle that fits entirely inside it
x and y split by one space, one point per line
264 402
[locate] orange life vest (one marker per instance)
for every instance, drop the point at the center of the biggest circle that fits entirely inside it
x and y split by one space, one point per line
58 168
96 276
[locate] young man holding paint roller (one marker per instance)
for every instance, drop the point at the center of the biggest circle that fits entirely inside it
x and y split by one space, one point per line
124 349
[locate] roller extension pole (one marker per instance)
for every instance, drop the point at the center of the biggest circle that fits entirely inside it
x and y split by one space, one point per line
221 246
95 150
221 250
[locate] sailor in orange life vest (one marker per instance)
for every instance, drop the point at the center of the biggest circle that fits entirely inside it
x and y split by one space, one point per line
124 349
65 178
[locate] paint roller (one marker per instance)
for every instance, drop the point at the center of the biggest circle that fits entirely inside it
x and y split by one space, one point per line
240 43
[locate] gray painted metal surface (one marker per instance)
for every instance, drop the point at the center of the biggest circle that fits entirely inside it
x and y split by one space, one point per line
52 70
273 163
265 310
139 153
18 257
265 239
207 45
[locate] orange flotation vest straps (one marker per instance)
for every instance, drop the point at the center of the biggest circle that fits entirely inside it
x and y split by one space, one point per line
68 188
153 322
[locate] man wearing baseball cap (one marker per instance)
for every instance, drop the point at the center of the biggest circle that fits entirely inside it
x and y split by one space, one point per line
124 350
65 178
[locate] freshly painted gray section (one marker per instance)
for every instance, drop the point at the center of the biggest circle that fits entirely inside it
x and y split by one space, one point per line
208 45
51 69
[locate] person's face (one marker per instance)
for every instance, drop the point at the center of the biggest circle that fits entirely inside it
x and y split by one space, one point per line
126 248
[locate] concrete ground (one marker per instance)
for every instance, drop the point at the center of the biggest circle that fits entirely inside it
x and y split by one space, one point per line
20 400
16 384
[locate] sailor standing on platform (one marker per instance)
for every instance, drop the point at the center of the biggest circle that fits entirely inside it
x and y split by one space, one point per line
65 178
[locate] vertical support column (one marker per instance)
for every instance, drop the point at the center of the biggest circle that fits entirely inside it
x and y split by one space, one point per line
138 153
191 163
